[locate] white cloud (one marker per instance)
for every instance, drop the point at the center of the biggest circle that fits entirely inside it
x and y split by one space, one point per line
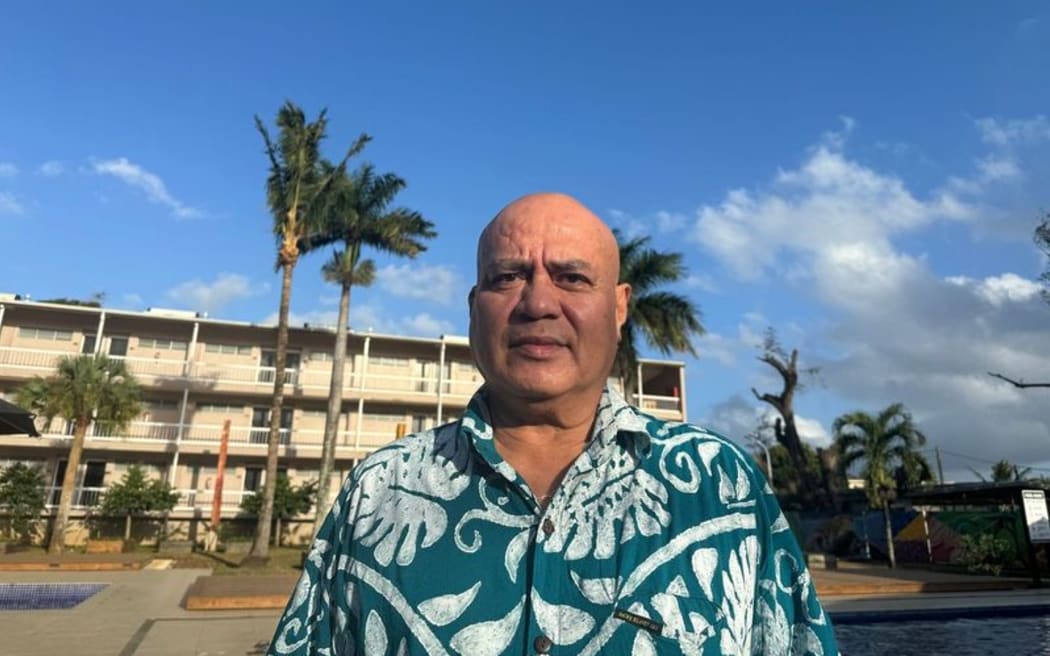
1014 131
51 168
7 170
662 221
1007 288
149 183
364 318
702 282
828 200
213 296
738 417
9 204
438 284
712 346
891 329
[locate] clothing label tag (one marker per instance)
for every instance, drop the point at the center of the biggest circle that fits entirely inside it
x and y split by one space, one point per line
641 622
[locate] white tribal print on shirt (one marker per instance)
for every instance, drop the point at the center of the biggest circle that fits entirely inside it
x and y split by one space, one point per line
661 539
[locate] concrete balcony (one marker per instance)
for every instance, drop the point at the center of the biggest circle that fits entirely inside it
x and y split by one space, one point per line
313 380
153 436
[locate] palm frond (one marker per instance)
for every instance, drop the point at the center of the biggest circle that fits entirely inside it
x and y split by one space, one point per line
669 321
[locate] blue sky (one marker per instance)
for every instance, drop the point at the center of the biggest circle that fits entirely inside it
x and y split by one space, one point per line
864 179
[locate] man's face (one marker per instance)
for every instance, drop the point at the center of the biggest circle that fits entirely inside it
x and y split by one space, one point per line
546 312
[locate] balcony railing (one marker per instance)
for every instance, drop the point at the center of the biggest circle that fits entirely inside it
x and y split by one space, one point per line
89 497
83 497
211 434
655 402
313 378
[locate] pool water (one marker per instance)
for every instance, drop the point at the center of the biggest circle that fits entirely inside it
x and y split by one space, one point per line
45 596
1015 636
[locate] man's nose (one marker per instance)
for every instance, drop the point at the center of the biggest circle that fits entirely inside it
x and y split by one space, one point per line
539 298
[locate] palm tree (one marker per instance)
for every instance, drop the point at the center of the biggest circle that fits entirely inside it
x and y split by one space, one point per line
85 389
1005 471
295 192
884 444
357 215
668 320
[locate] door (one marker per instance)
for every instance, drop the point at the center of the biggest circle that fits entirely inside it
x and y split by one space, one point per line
260 431
267 362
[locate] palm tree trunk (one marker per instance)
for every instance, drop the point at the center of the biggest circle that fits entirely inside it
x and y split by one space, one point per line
261 545
69 481
335 404
127 527
889 533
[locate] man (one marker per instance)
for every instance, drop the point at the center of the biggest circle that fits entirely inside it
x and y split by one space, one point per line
553 518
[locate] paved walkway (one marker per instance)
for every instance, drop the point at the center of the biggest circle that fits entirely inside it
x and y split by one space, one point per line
140 613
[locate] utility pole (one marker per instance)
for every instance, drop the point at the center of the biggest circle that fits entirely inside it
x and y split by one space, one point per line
940 467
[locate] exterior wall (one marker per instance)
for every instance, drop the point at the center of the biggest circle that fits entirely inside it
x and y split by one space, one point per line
198 372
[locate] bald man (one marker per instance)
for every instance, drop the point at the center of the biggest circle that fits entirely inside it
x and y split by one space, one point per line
553 517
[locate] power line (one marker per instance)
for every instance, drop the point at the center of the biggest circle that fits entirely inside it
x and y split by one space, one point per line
983 460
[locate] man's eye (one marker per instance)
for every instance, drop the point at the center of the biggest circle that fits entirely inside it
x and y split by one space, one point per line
506 278
574 278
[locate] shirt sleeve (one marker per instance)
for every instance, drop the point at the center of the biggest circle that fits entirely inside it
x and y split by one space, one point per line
788 617
316 621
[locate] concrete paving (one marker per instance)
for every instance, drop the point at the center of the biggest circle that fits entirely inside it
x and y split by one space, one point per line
138 614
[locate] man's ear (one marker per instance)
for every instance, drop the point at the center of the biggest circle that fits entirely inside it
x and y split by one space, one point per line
623 300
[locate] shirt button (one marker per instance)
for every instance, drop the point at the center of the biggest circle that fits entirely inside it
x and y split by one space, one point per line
548 528
542 644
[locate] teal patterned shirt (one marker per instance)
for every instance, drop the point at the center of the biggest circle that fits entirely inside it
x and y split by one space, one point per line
661 539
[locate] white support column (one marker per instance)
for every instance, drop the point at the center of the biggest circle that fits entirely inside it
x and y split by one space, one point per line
190 349
441 382
179 434
681 392
98 332
361 391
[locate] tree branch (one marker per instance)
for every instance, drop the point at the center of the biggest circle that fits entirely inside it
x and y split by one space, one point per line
1017 383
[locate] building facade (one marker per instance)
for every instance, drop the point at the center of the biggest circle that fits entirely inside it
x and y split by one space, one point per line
197 372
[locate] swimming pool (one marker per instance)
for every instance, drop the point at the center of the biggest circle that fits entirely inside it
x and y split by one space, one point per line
45 596
1018 631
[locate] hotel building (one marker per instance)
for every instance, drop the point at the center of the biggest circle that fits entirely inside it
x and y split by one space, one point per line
197 372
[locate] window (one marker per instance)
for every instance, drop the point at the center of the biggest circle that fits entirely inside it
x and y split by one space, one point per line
89 344
386 418
386 361
253 477
45 334
224 408
118 346
228 349
160 344
161 405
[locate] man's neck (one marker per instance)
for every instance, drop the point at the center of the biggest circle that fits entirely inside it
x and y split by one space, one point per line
541 440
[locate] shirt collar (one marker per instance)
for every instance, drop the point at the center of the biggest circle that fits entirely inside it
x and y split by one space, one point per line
617 425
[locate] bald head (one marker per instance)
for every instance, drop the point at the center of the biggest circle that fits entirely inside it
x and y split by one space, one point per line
555 212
